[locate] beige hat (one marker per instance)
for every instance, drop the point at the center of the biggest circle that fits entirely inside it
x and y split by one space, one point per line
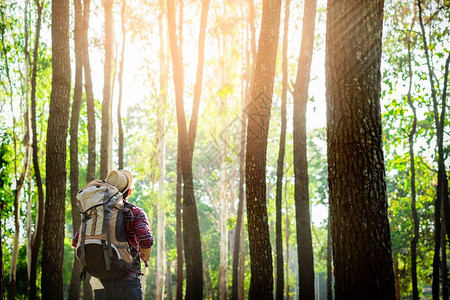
120 178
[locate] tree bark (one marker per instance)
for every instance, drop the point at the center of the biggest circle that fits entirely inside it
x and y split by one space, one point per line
358 199
53 237
36 237
303 218
261 283
106 138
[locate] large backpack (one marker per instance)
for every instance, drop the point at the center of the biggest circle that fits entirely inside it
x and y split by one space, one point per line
102 247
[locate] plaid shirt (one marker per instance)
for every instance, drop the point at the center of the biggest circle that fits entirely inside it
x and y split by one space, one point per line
138 231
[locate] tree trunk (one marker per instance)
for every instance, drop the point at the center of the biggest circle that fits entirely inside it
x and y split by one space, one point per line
288 233
90 174
329 262
179 234
106 139
26 161
36 237
261 283
119 105
53 237
280 164
442 184
358 200
75 281
415 238
163 83
303 218
191 230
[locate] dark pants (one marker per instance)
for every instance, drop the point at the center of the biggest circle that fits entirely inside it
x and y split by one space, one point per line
118 289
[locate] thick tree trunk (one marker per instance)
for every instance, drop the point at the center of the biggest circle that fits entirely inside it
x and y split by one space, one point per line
53 233
90 174
303 218
36 237
261 283
106 138
358 199
75 281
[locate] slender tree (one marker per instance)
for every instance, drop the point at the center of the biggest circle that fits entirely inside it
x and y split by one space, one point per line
26 161
163 85
357 190
442 184
106 138
186 140
261 283
411 137
90 174
280 164
53 233
75 281
36 237
303 218
120 79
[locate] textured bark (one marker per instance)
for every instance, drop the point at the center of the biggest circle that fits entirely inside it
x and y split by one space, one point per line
36 237
75 281
279 292
261 283
106 138
302 210
358 200
90 174
53 233
329 268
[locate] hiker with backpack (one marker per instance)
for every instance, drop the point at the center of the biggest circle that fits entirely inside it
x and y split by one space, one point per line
113 237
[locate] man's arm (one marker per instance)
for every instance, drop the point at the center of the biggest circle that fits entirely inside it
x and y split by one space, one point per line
143 234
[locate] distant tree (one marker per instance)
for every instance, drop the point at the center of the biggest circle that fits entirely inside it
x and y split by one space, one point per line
303 217
53 233
25 163
90 174
120 79
279 279
106 138
186 141
358 202
261 282
75 281
36 237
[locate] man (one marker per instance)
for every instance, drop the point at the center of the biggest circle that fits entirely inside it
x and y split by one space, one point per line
139 239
